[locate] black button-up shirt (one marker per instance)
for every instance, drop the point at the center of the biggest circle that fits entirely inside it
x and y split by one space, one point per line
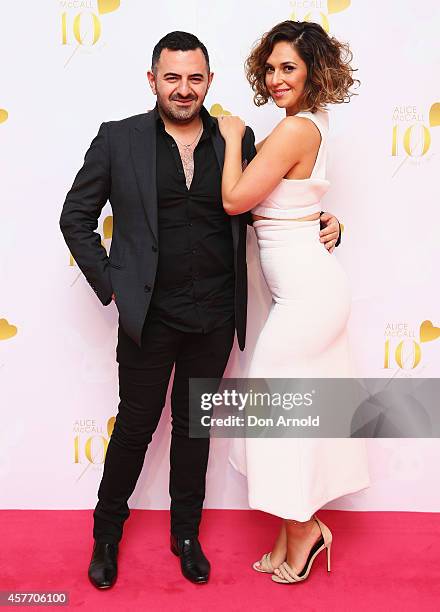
194 287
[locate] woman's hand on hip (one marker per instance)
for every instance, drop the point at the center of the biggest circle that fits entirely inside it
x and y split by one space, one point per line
330 233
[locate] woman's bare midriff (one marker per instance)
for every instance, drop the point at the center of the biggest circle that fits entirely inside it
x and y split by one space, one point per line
313 217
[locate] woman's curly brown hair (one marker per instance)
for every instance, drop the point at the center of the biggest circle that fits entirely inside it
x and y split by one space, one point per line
329 74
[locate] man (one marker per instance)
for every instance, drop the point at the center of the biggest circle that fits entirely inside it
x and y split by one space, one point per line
177 272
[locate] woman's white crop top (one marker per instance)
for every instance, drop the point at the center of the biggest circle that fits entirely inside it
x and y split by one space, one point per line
295 198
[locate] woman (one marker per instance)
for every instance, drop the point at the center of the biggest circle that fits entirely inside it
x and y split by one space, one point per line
302 69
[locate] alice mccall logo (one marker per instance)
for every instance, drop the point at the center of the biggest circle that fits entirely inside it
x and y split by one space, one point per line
317 11
81 20
90 443
402 348
411 132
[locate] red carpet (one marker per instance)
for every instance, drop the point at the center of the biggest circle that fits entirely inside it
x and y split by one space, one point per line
380 561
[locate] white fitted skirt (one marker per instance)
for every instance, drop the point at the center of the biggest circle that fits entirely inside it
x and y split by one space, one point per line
304 337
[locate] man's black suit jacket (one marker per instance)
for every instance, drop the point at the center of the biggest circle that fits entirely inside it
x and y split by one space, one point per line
120 166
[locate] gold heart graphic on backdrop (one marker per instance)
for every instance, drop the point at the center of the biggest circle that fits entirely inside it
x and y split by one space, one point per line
110 425
428 332
3 115
7 331
434 114
217 110
108 6
108 227
336 6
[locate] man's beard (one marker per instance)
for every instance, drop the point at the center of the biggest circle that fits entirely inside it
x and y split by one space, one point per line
183 115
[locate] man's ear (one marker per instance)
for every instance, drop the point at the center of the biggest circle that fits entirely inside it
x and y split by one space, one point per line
210 77
152 81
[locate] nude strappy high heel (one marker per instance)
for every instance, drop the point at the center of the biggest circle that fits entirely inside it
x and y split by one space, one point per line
325 541
266 563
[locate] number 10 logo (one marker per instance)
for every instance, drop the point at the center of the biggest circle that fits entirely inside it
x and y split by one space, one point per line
407 354
416 140
80 26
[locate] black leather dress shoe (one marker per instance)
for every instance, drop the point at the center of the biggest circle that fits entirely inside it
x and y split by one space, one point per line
103 568
195 566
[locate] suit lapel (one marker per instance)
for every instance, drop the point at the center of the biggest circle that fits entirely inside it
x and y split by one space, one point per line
219 147
143 153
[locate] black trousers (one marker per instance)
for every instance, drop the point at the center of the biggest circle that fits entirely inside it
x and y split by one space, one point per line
144 375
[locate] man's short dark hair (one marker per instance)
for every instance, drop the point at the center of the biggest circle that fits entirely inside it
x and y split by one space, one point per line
178 41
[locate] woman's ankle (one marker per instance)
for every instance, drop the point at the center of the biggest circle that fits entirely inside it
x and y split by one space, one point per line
299 525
